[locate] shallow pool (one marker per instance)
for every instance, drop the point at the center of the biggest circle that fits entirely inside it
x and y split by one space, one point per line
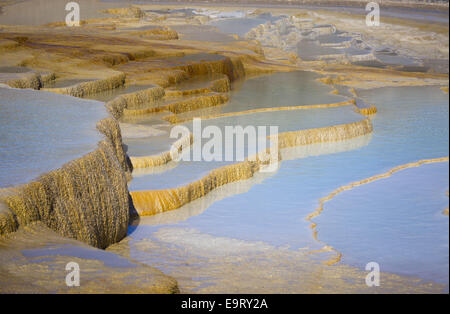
40 131
411 124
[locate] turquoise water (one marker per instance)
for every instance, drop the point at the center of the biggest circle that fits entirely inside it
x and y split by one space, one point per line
411 124
39 134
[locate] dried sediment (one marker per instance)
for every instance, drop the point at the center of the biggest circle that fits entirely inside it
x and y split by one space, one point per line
102 271
131 11
86 199
165 33
7 45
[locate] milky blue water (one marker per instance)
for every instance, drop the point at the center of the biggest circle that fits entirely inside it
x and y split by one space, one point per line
296 88
285 120
281 89
411 124
40 131
396 222
241 25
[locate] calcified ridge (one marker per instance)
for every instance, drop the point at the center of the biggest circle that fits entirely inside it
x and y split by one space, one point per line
164 157
175 120
231 67
61 201
352 185
150 100
157 201
86 199
133 101
198 206
180 106
92 87
31 80
221 85
327 134
164 33
367 111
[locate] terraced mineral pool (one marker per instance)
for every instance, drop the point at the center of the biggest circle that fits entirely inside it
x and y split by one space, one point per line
38 134
148 145
281 89
200 81
67 82
296 88
360 222
201 33
411 124
113 93
240 26
286 120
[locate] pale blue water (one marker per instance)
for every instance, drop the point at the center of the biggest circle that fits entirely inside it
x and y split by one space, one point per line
296 88
67 82
241 25
147 146
411 124
281 89
396 222
113 93
40 131
286 120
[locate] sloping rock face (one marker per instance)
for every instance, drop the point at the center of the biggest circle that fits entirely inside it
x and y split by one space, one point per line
86 198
